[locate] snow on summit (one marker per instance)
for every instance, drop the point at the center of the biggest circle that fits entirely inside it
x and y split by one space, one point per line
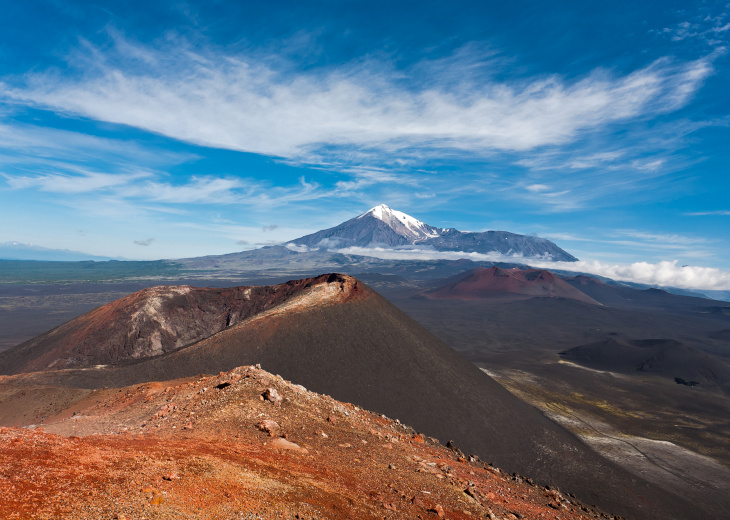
383 227
402 223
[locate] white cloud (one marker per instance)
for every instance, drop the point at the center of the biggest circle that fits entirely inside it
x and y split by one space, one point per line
138 185
644 163
363 177
52 147
196 190
663 274
706 28
685 249
68 184
143 187
650 165
566 236
681 246
722 213
594 160
298 248
668 239
424 254
261 105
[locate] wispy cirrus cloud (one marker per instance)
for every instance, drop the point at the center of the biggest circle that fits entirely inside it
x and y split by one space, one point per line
628 244
22 143
84 182
143 185
197 190
372 124
260 104
669 241
637 239
537 188
644 162
713 29
150 191
721 213
124 174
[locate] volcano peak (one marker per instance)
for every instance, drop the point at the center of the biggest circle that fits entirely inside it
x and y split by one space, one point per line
402 223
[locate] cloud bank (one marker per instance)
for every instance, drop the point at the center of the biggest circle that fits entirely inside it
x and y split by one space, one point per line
661 274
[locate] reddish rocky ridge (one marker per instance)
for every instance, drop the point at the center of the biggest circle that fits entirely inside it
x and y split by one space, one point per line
508 285
247 444
162 319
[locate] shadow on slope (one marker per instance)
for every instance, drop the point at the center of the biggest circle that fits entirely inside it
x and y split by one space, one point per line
662 357
658 299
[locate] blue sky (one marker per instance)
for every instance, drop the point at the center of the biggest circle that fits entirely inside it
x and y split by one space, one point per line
151 130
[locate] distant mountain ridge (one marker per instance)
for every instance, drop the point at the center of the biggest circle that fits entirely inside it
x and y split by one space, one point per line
383 226
20 251
507 285
661 357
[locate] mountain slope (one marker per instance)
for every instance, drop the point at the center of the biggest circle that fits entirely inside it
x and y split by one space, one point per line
382 226
661 357
145 324
147 452
508 285
638 298
19 251
338 337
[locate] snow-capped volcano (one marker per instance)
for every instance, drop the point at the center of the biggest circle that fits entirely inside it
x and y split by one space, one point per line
403 224
382 226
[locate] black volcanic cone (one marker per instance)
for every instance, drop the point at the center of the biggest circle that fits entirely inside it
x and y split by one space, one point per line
661 357
364 350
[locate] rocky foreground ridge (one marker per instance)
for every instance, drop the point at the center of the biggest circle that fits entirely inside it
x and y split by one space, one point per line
248 444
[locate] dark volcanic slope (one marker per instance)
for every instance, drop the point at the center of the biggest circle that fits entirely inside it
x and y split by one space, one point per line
627 297
146 323
723 335
338 337
662 357
508 285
